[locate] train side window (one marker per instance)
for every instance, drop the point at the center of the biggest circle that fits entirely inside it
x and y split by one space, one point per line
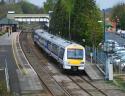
61 53
41 40
45 43
49 45
55 49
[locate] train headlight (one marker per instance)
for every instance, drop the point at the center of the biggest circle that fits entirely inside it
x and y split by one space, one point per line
82 63
123 65
66 62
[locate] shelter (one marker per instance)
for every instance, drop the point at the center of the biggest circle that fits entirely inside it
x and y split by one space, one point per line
8 25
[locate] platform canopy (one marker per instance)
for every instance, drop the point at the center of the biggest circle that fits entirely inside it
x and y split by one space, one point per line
6 21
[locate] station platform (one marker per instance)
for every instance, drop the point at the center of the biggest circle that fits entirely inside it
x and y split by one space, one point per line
5 39
93 72
28 79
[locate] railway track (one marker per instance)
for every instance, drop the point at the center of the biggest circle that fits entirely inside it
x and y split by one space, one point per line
64 91
87 86
53 87
98 90
57 83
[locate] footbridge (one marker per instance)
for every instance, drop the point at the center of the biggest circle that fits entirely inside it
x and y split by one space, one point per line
29 17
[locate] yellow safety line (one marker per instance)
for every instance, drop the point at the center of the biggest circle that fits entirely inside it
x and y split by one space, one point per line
14 54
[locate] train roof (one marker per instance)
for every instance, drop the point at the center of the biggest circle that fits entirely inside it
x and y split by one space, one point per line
54 39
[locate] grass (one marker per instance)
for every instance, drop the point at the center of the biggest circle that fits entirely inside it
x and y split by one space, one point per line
1 33
3 90
118 81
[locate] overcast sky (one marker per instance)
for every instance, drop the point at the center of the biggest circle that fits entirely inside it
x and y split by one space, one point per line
37 2
103 4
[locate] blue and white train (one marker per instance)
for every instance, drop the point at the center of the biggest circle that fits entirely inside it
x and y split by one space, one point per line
69 54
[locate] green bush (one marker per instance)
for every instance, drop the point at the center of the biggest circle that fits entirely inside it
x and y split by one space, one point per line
120 82
1 33
3 90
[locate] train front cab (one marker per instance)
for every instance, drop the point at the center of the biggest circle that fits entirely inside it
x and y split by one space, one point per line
74 57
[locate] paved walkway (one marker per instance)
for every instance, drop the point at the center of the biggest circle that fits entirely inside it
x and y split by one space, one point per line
5 39
29 81
93 72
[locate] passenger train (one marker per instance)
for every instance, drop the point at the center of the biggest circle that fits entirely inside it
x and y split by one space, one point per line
69 54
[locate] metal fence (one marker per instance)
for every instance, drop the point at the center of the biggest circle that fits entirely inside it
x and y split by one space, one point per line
100 57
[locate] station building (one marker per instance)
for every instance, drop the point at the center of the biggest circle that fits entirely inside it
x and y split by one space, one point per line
8 25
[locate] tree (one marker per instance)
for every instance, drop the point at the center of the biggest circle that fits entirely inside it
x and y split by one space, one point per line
55 25
82 17
68 4
19 8
118 13
121 23
85 22
2 2
49 5
28 7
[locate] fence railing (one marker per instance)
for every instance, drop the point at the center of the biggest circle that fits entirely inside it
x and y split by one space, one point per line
99 58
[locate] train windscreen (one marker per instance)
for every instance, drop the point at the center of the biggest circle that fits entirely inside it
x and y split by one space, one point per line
74 54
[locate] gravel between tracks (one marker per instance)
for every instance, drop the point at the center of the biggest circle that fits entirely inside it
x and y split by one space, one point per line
39 64
58 83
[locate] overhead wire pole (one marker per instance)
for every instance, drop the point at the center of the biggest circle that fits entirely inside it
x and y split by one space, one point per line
107 59
104 24
108 66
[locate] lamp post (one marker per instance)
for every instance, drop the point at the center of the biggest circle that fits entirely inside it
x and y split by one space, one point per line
104 24
108 66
